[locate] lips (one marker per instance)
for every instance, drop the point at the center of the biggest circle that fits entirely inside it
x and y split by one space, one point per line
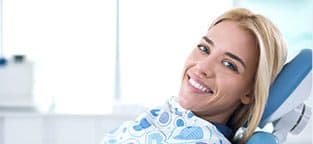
198 86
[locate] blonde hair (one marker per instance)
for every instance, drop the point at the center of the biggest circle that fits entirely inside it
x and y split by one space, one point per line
272 56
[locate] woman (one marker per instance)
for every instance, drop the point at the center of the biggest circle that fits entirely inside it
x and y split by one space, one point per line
224 86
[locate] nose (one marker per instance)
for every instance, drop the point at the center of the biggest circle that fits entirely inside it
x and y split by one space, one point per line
206 67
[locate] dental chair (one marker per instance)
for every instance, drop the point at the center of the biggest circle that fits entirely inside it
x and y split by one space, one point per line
285 108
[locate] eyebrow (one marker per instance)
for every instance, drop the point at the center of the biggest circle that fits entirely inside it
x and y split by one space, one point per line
236 58
208 40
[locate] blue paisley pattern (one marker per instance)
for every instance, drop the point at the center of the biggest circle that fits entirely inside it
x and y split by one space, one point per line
170 124
190 133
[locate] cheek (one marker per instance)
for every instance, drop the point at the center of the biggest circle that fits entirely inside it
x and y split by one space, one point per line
190 61
231 87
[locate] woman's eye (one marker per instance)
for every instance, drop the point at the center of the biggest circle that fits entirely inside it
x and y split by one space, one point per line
230 65
204 49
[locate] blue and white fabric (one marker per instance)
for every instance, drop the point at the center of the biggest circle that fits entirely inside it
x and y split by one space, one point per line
170 124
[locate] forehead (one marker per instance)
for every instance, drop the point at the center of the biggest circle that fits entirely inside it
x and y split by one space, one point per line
231 37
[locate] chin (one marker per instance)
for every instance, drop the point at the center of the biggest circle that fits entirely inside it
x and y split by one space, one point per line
184 98
183 102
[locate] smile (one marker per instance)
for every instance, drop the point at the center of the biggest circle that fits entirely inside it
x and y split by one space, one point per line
199 86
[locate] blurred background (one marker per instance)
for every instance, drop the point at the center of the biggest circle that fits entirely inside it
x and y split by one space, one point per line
71 70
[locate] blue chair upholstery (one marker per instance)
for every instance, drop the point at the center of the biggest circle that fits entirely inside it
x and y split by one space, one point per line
283 96
287 81
261 137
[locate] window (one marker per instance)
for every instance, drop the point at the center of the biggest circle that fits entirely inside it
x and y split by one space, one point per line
72 45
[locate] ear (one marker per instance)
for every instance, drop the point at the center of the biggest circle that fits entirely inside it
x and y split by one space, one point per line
247 98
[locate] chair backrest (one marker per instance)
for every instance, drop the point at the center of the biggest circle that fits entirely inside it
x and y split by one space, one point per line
291 87
285 108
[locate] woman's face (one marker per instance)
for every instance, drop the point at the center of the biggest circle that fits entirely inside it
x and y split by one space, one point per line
219 73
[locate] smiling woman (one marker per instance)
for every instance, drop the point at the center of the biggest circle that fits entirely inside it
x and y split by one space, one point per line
224 86
224 63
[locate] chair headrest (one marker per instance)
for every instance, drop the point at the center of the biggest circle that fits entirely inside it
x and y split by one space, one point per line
291 87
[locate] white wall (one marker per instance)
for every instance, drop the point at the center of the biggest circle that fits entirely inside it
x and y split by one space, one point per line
34 128
56 129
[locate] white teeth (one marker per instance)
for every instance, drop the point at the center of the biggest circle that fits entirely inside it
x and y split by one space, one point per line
198 86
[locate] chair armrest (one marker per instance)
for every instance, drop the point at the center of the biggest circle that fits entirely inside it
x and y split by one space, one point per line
261 137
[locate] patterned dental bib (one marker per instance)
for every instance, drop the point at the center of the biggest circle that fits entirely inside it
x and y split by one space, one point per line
170 124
